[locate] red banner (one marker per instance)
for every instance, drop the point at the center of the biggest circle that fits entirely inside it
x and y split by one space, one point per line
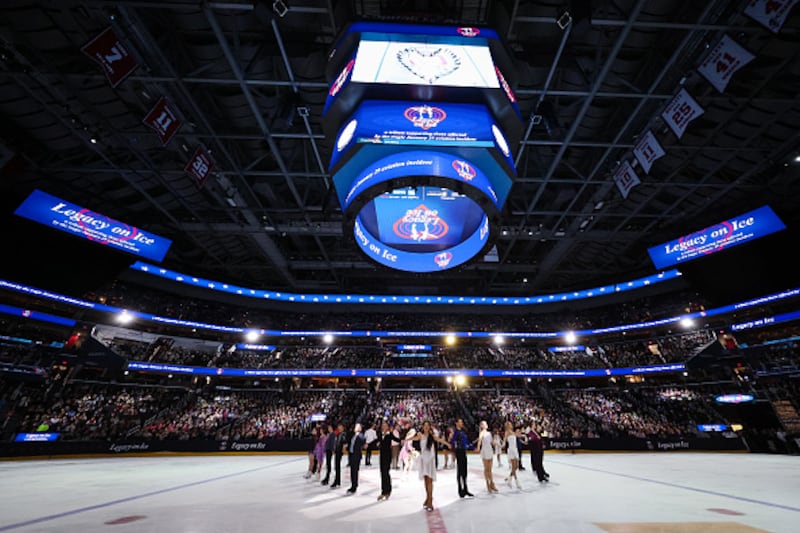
115 58
199 166
163 118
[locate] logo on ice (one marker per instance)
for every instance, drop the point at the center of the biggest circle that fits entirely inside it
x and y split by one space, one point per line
421 224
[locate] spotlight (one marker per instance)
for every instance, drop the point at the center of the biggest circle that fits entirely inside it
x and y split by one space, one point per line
252 335
327 338
570 337
449 379
450 340
687 322
460 380
499 339
125 317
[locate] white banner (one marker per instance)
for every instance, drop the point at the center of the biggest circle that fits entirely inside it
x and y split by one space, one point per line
681 111
647 150
770 13
725 59
626 179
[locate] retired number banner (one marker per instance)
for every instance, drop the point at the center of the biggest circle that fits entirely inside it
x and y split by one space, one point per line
626 179
681 111
199 166
725 59
163 118
647 150
770 13
115 58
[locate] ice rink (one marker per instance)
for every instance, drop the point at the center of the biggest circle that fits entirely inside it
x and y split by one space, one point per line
648 492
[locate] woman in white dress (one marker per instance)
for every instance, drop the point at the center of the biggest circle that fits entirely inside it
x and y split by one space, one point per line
408 454
486 451
427 460
510 441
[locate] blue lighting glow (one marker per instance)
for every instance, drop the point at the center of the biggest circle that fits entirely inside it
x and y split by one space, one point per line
386 372
365 333
396 299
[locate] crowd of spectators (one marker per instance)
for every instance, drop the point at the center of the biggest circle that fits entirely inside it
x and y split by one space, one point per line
127 296
439 407
549 418
644 414
653 351
92 411
252 415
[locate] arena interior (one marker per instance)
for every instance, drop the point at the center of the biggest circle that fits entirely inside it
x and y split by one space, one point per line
300 265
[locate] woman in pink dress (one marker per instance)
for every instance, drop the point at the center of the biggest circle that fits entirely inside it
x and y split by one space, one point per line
319 451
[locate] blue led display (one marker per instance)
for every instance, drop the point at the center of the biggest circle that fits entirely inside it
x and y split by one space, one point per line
386 372
36 437
36 315
735 398
711 427
364 333
422 124
733 232
396 299
422 228
70 218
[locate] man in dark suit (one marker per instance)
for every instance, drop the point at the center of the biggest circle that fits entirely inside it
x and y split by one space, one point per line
337 456
385 440
460 444
354 448
537 454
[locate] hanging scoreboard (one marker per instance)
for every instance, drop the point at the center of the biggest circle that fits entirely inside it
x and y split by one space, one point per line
422 122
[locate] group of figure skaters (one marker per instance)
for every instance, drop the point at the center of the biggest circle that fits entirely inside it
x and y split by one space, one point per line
402 443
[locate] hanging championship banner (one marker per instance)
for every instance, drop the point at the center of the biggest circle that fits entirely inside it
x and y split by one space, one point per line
725 59
115 58
199 166
626 179
770 13
681 111
647 150
163 118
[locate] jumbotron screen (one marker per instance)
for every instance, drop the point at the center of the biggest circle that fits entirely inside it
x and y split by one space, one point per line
424 60
421 219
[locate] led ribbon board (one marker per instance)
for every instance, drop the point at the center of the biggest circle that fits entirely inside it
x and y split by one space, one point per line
422 124
399 372
70 218
421 211
733 232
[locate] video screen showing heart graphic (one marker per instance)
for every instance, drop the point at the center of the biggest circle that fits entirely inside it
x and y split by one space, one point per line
424 60
421 219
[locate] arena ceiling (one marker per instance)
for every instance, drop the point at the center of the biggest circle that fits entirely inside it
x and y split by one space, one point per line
248 80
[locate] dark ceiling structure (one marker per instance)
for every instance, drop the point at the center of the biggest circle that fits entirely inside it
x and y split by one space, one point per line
248 80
